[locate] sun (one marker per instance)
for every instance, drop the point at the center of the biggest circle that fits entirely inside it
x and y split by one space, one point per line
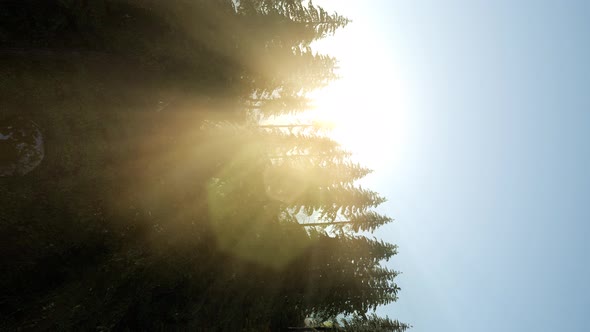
367 104
366 112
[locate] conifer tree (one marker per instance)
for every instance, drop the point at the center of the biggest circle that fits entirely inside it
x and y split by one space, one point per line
179 224
366 222
280 105
302 17
338 275
372 323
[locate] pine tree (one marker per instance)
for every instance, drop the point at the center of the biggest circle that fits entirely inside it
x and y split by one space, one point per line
280 105
372 323
302 18
365 222
178 219
339 275
332 201
277 52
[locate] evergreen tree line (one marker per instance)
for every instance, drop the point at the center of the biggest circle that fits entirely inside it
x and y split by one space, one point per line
164 200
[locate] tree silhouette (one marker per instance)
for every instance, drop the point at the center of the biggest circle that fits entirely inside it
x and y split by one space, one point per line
373 323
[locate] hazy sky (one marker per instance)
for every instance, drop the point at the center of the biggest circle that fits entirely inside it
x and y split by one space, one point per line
475 116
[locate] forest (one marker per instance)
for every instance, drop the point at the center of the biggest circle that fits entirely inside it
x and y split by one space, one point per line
144 185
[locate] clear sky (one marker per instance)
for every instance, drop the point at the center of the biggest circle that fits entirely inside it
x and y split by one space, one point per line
475 116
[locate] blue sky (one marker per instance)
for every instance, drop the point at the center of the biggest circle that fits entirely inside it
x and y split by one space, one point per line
487 172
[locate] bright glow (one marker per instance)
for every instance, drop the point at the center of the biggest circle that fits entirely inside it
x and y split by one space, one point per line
363 111
366 105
